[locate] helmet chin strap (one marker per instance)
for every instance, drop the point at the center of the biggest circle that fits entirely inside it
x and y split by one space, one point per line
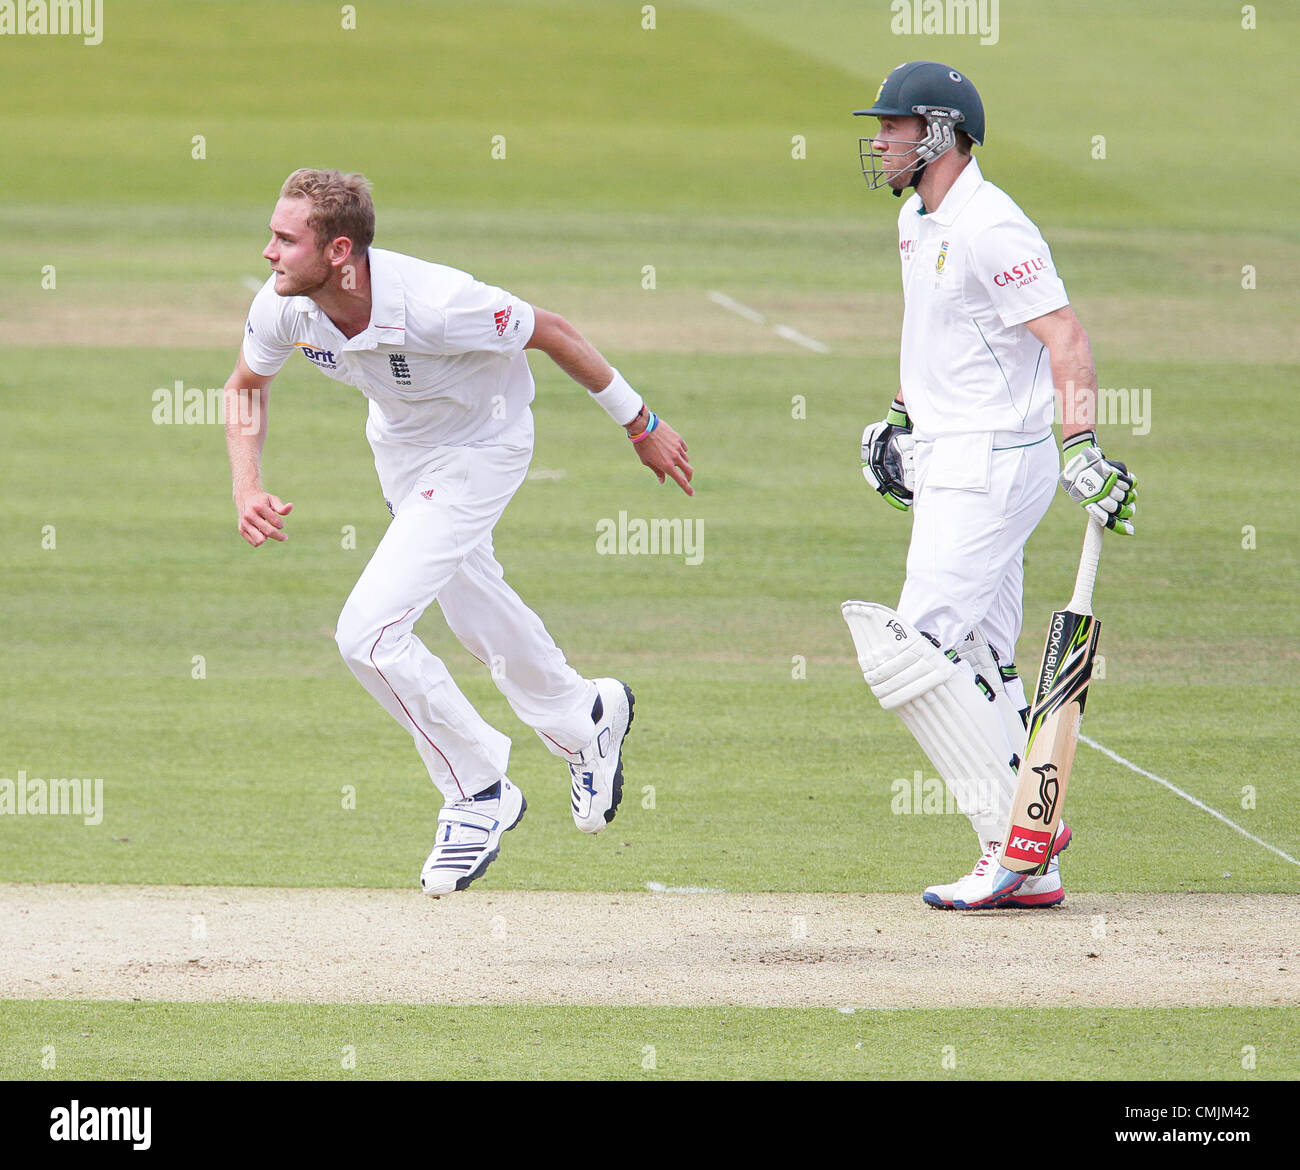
915 181
939 139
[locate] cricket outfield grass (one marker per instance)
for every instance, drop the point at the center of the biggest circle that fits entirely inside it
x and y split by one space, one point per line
644 169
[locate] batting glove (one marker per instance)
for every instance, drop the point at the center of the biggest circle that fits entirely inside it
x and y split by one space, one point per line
887 457
1104 488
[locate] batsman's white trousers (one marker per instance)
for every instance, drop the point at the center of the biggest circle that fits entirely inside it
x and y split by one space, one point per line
976 500
446 501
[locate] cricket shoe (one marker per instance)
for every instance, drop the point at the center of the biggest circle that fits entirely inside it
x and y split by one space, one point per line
989 886
469 837
597 770
1042 889
1036 892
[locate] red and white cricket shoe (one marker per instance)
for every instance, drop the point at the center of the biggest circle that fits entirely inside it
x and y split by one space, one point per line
989 886
1035 892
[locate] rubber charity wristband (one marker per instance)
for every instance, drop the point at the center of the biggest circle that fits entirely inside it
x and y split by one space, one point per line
649 426
619 400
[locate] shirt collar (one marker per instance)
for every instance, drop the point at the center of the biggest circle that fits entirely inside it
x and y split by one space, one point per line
387 305
959 194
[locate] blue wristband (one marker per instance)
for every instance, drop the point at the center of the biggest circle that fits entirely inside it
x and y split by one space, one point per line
649 426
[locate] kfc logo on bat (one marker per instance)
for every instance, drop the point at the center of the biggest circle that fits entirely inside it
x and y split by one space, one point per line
1028 844
1026 272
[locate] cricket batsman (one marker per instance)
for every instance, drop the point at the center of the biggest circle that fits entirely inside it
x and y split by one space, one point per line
440 357
988 341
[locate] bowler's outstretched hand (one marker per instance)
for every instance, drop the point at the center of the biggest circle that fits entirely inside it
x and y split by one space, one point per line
664 452
259 517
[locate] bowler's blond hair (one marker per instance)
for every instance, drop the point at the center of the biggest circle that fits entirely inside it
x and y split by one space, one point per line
340 205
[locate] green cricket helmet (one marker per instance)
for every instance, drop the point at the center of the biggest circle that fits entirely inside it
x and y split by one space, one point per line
943 97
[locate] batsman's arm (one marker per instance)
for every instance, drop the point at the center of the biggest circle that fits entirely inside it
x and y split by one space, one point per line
663 449
1105 488
1074 373
246 397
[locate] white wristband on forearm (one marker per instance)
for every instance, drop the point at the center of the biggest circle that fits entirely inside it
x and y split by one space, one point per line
619 400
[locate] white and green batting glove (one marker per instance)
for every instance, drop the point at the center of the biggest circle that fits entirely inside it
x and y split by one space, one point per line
887 457
1103 487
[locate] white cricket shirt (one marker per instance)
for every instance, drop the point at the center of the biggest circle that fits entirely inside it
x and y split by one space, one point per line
974 270
442 360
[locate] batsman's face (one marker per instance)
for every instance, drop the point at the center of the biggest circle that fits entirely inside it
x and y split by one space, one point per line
895 148
296 257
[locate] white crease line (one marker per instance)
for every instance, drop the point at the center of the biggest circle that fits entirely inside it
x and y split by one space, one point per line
545 473
734 306
1186 796
800 339
660 888
721 298
252 283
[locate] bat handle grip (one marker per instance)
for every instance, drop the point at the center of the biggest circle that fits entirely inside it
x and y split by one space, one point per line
1081 601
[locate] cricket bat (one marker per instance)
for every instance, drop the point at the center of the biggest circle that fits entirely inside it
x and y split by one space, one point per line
1055 714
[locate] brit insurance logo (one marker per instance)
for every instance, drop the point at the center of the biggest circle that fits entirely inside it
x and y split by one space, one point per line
321 357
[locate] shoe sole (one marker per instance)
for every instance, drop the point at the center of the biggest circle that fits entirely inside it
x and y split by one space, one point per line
618 771
1033 902
481 868
1009 901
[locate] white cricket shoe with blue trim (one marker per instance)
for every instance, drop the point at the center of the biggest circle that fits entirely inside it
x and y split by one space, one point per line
597 771
985 885
469 837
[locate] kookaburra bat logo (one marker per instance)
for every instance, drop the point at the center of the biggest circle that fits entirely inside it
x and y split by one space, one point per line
1049 789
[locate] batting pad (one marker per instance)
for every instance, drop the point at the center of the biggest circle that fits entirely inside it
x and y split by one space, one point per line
954 723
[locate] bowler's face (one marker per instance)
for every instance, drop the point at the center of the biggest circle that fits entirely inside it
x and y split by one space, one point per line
296 258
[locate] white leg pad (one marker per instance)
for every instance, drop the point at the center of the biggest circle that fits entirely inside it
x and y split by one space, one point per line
954 723
976 650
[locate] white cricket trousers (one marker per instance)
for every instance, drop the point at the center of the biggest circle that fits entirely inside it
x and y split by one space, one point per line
446 501
976 500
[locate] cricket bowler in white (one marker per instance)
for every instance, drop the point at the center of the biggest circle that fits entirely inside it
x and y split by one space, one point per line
988 338
440 357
